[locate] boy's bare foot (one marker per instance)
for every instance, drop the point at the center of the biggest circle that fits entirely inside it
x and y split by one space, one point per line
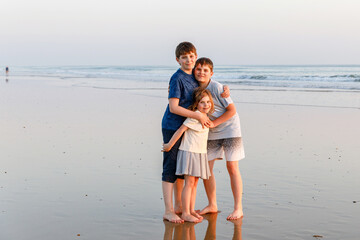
209 209
195 214
172 217
190 218
236 214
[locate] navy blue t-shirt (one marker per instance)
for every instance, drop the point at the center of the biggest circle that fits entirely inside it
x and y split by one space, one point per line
182 86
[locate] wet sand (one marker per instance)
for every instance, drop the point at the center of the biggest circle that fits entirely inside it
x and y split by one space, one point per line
80 161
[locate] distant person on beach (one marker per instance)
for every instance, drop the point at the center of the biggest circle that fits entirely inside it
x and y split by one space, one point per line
7 71
181 87
192 161
224 139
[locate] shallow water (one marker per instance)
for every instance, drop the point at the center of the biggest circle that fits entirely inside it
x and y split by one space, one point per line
84 160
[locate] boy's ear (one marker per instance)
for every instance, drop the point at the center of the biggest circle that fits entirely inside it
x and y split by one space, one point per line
177 60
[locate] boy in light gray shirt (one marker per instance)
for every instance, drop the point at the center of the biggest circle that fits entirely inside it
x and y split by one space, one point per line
224 139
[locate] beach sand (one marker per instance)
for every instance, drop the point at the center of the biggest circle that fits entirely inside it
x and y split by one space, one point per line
84 162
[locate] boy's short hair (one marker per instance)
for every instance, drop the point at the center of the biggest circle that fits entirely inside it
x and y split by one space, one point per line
185 48
205 61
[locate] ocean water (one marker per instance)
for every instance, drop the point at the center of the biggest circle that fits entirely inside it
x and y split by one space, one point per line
248 84
335 77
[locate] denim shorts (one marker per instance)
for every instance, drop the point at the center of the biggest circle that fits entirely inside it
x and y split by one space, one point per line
169 158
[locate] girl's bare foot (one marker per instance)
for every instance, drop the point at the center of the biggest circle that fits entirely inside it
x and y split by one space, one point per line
195 214
190 218
172 217
236 214
209 209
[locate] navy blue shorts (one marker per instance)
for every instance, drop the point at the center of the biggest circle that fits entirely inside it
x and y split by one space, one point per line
169 158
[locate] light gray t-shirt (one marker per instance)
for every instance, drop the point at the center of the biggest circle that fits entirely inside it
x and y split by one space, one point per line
230 128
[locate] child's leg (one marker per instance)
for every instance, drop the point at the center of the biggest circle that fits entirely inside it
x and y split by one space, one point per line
237 189
169 214
186 199
193 200
210 188
169 177
178 188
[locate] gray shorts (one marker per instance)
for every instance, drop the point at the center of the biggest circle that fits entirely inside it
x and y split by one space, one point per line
232 148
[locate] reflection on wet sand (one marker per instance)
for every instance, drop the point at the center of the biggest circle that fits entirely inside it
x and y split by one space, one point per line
186 231
237 228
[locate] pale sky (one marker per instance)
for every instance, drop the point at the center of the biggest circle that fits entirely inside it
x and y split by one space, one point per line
146 32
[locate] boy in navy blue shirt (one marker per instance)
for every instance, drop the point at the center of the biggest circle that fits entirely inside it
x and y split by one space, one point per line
182 85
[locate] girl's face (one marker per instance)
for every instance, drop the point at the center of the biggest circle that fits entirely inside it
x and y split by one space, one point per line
203 73
204 105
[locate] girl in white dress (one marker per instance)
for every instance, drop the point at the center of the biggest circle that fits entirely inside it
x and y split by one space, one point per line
192 161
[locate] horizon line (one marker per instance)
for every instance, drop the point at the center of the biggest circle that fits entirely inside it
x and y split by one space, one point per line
163 65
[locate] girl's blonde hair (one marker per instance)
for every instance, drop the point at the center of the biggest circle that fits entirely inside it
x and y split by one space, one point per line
198 94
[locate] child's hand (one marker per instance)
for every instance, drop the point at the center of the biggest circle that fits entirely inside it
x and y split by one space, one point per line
166 147
212 125
226 92
204 120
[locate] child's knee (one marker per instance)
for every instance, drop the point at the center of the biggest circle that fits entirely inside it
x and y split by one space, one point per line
211 164
190 181
232 167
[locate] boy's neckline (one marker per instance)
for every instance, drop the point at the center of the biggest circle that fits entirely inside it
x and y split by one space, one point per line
186 72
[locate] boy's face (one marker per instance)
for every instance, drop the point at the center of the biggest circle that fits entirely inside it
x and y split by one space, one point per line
203 73
187 61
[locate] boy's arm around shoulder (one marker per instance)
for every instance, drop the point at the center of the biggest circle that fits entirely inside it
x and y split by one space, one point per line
167 146
179 110
226 92
175 87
